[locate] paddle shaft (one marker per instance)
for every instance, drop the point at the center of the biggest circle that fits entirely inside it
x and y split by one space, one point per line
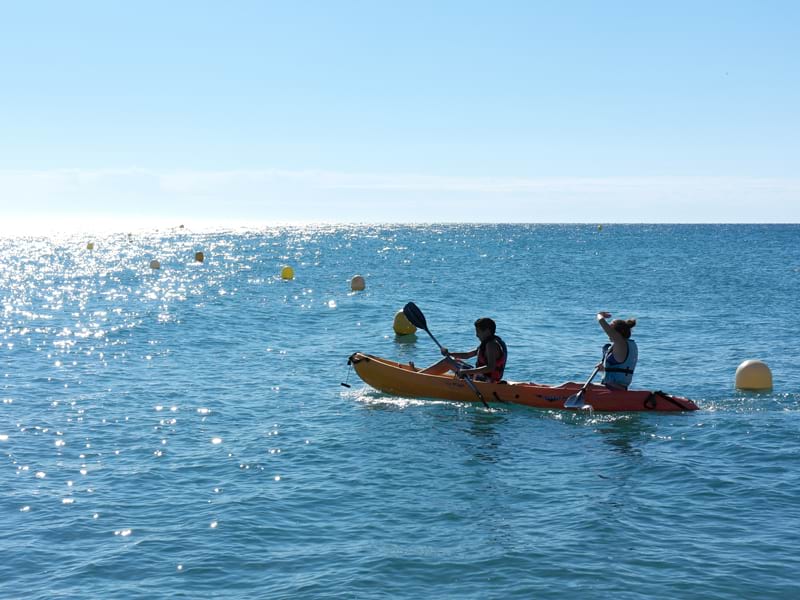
592 376
588 381
576 400
422 324
573 400
466 379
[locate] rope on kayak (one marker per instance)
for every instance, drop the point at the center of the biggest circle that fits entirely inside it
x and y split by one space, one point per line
350 361
498 398
650 401
669 398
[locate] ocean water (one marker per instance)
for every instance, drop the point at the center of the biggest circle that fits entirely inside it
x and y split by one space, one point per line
182 432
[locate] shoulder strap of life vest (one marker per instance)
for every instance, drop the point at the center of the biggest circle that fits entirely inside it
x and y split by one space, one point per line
627 366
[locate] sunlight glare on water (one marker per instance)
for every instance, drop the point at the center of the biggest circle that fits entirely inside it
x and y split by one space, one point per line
171 431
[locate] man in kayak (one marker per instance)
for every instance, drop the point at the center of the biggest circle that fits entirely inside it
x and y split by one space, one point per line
491 353
620 356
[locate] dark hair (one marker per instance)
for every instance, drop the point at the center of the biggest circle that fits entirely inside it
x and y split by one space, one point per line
485 323
624 327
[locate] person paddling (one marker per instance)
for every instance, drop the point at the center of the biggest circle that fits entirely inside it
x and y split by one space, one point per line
620 356
491 353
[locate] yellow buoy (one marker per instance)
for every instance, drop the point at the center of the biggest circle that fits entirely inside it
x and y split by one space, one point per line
154 264
199 257
287 272
753 375
402 326
357 283
90 246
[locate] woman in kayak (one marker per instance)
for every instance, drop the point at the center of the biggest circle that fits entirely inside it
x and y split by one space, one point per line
620 356
491 353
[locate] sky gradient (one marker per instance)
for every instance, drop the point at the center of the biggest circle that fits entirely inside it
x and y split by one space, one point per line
248 112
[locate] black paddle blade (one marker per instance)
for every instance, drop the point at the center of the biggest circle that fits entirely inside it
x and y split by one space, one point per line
415 316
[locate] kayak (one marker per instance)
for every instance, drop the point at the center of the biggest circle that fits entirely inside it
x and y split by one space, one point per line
404 380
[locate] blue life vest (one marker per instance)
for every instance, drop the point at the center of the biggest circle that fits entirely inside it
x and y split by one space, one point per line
619 374
500 366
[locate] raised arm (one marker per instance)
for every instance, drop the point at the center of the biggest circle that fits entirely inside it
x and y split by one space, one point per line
618 341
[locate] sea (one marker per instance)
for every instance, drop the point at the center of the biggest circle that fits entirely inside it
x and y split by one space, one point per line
182 432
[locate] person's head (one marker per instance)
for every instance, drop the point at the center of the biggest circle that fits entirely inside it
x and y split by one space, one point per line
485 328
624 327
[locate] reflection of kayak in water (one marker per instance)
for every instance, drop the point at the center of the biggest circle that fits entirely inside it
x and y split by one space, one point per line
404 380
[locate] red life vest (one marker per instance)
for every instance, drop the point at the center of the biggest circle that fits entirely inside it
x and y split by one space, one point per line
500 365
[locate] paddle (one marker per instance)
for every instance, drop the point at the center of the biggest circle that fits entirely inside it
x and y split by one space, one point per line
576 400
417 319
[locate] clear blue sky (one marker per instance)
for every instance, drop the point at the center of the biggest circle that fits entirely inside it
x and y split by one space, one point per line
401 111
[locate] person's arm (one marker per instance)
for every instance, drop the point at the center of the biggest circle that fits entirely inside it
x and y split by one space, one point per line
470 354
619 345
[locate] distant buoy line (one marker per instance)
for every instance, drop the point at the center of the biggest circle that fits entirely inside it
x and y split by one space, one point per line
751 375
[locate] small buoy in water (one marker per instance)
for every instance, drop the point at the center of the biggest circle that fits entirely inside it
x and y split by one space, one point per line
402 326
753 375
199 257
599 228
287 272
154 264
90 246
357 283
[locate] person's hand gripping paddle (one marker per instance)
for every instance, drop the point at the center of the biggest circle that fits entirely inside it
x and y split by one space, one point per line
417 319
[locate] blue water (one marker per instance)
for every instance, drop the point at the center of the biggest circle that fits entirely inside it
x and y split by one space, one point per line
182 432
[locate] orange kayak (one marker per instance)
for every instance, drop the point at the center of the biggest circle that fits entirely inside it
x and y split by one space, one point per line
403 380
